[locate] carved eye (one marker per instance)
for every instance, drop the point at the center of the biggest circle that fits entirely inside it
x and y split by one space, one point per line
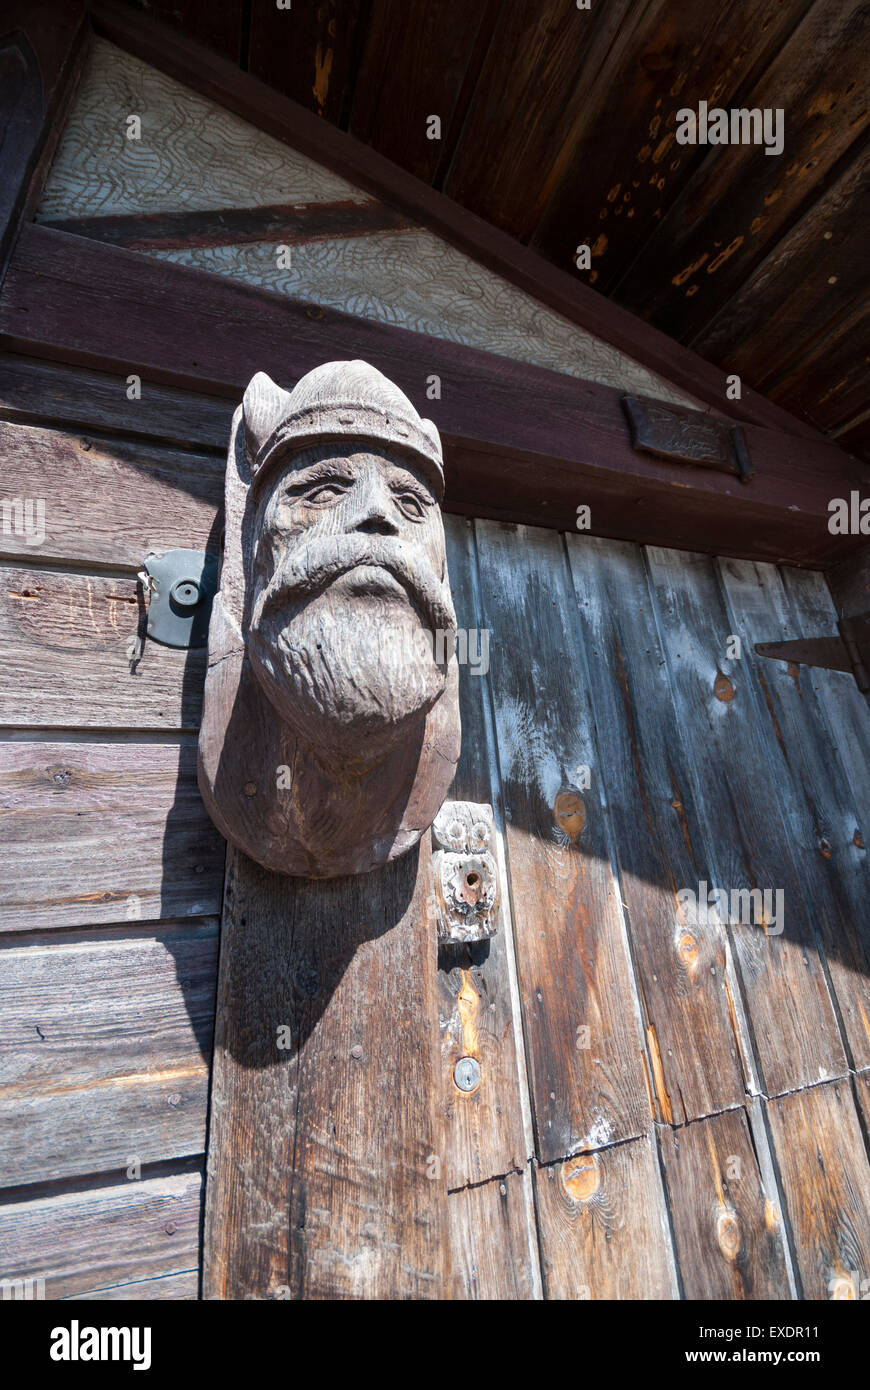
410 504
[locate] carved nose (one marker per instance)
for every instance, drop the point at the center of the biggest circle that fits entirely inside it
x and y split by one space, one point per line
375 522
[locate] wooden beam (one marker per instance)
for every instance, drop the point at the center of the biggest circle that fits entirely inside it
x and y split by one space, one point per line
41 52
222 82
522 443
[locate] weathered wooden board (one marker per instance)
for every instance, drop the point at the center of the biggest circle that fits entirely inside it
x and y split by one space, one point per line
580 1010
102 832
493 1240
34 392
128 1240
681 959
826 1187
727 737
820 810
487 1132
727 1227
603 1226
105 1046
73 656
521 442
325 1165
108 502
311 51
739 202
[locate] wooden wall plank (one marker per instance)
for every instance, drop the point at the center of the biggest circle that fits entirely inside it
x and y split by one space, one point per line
106 1046
794 1028
109 502
580 1010
326 1173
100 832
826 1185
604 1226
491 1227
686 986
50 393
741 200
820 812
486 1132
570 435
727 1227
124 1240
73 656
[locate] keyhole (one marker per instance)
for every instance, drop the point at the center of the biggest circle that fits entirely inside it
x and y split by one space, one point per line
472 879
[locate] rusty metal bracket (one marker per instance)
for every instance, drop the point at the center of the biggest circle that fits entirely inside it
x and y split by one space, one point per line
466 876
687 437
849 652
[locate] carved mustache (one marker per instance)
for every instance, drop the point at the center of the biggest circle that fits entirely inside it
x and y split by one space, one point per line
321 561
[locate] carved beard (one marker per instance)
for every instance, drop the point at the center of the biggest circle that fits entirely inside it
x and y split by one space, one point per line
344 652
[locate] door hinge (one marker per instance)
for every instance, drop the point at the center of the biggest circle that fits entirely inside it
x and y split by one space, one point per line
849 652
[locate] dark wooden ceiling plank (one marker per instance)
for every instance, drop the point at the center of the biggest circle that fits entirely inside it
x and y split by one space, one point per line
622 166
221 82
829 382
534 85
307 52
741 201
818 269
522 443
41 54
414 65
218 23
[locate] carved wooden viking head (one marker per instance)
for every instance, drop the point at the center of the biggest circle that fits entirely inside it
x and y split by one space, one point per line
330 729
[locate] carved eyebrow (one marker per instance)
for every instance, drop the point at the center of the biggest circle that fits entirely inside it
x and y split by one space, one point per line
401 480
327 470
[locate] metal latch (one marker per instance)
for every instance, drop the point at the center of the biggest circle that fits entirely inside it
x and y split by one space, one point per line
182 584
849 652
466 877
687 437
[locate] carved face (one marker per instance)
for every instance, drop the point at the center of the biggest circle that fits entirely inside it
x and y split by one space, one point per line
349 589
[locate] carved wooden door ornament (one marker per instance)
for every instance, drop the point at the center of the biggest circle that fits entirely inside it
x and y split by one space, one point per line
330 731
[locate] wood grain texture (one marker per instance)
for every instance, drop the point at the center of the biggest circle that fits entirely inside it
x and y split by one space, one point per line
221 82
106 1047
826 1187
108 502
736 204
124 1240
727 1227
487 1132
73 656
311 51
102 832
493 1242
740 798
568 435
604 1227
820 810
326 1167
580 1010
192 155
53 394
685 977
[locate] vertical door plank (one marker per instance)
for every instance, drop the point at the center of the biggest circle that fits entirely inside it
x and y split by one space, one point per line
819 808
727 739
660 845
826 1187
604 1226
491 1227
484 1131
324 1170
727 1227
580 1009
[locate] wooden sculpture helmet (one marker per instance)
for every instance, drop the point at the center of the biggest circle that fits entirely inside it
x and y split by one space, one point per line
330 729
